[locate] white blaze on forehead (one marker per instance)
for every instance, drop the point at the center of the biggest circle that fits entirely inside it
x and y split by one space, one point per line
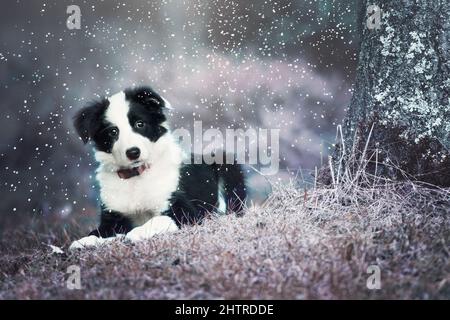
117 115
117 112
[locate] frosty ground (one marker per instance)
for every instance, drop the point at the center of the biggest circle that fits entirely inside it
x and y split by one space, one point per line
301 244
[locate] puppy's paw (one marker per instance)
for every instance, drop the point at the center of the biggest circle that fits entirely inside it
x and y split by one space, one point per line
156 225
91 242
86 242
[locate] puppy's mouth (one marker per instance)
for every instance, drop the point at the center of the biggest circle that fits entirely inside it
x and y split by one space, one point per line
127 173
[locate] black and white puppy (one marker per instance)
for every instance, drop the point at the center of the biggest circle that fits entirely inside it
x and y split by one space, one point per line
145 188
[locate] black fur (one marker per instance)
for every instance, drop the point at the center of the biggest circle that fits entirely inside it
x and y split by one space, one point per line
111 223
89 121
148 106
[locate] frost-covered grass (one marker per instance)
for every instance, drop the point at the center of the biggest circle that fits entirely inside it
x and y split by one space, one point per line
300 244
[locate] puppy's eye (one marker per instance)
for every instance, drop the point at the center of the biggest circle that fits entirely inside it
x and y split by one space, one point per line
139 124
113 132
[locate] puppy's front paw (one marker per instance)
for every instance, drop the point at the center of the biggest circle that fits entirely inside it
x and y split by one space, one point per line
86 242
92 241
156 225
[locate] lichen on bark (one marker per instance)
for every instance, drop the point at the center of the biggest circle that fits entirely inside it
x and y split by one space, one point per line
402 89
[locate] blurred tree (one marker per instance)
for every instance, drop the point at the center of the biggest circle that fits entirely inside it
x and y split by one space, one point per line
401 97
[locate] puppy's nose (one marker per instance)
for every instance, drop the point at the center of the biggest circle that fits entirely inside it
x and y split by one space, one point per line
133 153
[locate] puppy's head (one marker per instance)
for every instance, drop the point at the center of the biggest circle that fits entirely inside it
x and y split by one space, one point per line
126 128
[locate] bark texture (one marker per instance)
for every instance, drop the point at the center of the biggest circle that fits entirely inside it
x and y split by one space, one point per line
402 90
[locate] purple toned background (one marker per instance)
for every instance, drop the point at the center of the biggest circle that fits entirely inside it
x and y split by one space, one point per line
232 64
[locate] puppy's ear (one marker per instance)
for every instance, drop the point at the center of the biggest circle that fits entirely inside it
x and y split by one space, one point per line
85 120
147 97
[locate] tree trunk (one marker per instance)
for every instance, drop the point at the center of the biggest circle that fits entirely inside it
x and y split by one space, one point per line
401 97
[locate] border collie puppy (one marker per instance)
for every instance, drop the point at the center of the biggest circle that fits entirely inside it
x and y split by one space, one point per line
145 188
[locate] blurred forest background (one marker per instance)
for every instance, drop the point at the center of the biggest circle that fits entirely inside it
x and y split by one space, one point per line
232 64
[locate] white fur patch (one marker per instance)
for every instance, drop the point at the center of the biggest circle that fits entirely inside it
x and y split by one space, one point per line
148 192
154 226
89 242
167 104
222 206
